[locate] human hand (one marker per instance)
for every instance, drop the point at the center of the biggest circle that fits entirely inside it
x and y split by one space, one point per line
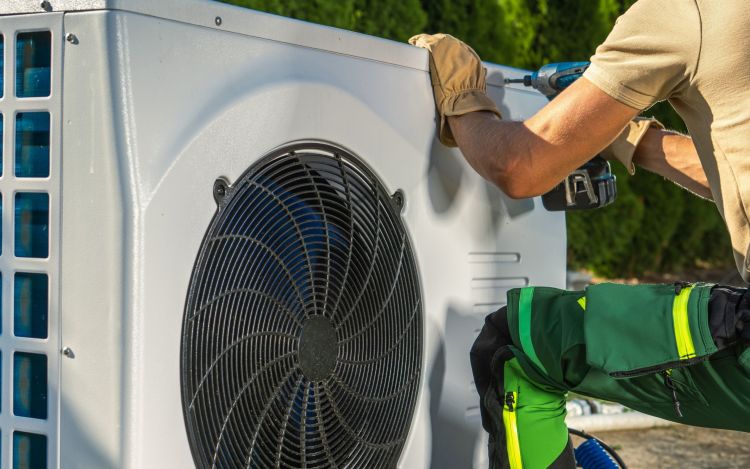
458 80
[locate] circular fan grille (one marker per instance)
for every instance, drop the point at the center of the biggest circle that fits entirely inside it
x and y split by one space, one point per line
302 331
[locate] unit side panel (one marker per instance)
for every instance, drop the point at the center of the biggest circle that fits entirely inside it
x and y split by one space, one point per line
94 254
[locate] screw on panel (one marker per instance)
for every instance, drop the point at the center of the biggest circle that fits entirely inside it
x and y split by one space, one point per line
46 6
68 352
217 20
398 201
71 38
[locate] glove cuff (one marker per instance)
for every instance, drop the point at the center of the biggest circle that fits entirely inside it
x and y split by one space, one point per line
459 104
624 146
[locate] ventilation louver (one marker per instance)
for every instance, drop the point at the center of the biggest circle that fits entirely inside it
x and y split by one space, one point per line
303 326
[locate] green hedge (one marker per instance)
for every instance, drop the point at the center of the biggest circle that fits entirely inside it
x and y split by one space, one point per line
654 225
392 19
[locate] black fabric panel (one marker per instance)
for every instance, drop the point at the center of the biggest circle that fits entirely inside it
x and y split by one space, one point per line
487 356
494 336
566 460
729 315
491 405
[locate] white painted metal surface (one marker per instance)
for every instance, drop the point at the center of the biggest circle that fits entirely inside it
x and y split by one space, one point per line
616 422
158 102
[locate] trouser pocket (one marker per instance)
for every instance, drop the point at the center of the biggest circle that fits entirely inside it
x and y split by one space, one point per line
546 325
634 330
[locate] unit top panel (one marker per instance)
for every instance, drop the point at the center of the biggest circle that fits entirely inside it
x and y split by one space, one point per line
220 16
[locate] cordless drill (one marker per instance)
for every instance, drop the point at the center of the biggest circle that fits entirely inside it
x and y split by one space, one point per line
592 185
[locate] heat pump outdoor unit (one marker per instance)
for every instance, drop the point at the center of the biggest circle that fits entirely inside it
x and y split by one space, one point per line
231 239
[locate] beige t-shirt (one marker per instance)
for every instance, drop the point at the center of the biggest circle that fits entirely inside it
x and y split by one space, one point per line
696 54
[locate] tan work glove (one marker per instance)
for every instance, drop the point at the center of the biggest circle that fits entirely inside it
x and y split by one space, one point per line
623 148
458 80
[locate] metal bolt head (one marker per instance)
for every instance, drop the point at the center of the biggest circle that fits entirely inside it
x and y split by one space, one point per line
68 352
46 6
71 38
398 200
220 188
218 21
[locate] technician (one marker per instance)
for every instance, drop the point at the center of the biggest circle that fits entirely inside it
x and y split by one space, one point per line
675 351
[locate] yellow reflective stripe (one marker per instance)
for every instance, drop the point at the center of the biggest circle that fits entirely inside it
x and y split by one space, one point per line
682 335
511 435
582 302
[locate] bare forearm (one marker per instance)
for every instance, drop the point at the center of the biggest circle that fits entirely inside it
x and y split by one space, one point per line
511 155
491 146
674 157
529 158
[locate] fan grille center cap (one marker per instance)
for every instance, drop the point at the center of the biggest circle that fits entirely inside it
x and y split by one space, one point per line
318 348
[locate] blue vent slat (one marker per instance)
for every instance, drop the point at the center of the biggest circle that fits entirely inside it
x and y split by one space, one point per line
2 65
30 385
32 225
30 303
2 125
29 451
32 144
33 64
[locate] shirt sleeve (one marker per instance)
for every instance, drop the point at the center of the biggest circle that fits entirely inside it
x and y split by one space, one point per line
651 54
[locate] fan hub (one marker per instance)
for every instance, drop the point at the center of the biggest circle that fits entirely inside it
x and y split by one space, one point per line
318 348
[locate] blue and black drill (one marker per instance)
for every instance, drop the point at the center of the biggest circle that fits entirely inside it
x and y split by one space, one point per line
592 185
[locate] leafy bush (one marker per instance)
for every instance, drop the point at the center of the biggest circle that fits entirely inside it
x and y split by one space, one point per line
392 19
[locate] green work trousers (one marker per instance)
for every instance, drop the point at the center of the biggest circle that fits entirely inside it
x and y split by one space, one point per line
652 348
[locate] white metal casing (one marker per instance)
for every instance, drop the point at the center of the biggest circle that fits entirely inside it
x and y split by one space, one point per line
157 102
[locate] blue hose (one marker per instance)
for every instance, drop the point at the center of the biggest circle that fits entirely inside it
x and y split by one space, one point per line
591 455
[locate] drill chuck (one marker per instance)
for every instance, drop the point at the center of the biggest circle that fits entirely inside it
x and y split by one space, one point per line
526 80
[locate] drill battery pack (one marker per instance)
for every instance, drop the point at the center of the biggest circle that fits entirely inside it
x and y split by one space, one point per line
591 186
